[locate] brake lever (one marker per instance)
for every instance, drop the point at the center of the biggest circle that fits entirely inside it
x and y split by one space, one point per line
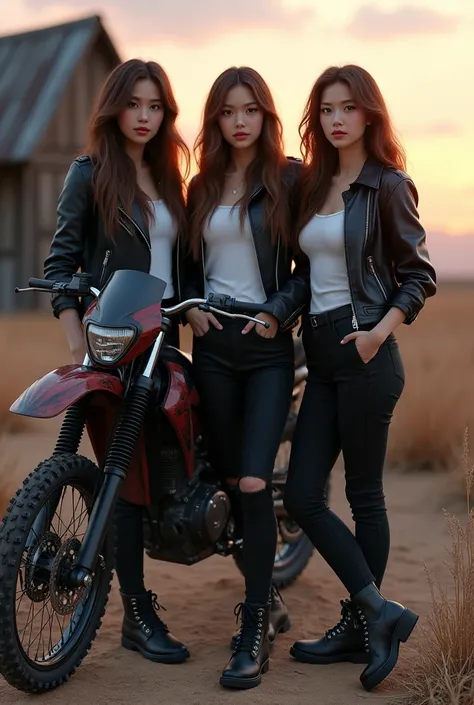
207 308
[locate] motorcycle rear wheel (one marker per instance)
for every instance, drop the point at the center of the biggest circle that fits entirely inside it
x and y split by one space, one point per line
33 563
292 557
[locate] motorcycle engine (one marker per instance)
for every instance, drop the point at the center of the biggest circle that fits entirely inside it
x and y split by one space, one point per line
187 518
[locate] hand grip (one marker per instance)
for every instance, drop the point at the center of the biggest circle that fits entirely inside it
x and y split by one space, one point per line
227 303
41 283
245 307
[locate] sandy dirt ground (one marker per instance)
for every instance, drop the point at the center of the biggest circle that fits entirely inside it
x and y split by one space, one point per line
200 601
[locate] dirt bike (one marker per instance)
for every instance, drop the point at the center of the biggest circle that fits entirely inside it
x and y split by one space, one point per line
136 397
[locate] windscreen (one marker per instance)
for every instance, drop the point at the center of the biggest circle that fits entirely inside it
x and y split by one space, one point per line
127 292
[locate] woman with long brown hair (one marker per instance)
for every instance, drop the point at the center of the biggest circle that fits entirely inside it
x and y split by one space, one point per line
122 207
240 210
370 272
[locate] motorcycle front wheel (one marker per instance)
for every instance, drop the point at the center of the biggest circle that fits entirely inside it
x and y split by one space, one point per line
46 626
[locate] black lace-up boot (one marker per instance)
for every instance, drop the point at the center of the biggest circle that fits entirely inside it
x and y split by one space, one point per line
344 642
385 624
144 631
251 655
279 618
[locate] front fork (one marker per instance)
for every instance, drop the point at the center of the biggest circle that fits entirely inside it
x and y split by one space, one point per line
116 466
68 441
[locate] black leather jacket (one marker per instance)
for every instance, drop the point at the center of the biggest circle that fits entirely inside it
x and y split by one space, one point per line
80 241
386 255
287 292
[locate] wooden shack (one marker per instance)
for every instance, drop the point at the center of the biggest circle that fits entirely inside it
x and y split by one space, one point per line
49 80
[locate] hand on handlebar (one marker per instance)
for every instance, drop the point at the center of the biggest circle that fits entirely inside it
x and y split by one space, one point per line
261 330
201 321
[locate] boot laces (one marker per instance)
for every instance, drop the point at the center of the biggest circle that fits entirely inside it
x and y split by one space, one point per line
341 626
251 627
365 629
147 615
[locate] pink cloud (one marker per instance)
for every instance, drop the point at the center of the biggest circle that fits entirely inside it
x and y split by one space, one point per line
188 21
372 23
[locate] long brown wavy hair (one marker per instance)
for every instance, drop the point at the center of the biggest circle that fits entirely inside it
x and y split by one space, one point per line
321 156
114 174
213 157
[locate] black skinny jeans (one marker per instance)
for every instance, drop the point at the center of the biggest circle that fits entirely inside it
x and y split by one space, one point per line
347 405
245 384
129 556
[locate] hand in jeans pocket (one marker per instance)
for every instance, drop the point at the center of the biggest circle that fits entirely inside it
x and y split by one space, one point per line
367 343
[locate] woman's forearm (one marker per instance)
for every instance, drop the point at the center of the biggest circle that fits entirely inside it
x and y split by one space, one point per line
392 319
71 324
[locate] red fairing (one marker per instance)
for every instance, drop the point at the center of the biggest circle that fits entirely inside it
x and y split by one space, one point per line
56 391
91 308
148 322
179 407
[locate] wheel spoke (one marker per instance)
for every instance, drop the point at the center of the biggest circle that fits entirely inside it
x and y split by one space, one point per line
41 625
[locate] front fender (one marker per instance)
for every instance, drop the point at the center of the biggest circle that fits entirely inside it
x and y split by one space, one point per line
56 391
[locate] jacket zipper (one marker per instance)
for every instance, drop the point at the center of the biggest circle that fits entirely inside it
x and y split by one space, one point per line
178 278
372 269
130 219
203 267
104 266
366 237
355 323
277 263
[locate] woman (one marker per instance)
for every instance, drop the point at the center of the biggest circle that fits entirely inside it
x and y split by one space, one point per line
239 223
122 207
370 272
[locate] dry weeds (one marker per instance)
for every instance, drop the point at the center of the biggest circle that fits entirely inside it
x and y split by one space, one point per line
443 670
436 405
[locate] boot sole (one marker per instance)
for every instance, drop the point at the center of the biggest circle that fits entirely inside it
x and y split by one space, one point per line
402 632
156 658
350 657
285 627
244 683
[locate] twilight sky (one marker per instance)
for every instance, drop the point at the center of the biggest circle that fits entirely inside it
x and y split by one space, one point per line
420 52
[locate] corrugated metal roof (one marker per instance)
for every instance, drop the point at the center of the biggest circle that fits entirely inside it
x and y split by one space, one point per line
35 68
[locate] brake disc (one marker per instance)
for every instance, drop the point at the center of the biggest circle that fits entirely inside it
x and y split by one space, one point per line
37 580
65 599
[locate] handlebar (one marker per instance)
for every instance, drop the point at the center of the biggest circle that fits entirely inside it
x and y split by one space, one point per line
222 304
79 285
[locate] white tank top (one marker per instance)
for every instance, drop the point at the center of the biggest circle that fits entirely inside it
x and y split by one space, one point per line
231 265
163 234
322 240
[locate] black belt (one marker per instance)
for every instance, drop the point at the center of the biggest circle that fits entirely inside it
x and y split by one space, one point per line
324 319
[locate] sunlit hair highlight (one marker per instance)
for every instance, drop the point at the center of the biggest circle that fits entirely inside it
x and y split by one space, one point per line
114 173
321 157
213 157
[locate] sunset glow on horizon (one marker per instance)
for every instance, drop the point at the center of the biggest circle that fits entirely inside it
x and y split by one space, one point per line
419 52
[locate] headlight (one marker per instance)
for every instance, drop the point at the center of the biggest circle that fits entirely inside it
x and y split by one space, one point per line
107 345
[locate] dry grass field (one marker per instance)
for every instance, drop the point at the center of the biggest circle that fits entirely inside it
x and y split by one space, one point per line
429 423
437 404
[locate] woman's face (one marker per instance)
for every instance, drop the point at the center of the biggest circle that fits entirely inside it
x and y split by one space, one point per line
142 118
241 120
343 121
